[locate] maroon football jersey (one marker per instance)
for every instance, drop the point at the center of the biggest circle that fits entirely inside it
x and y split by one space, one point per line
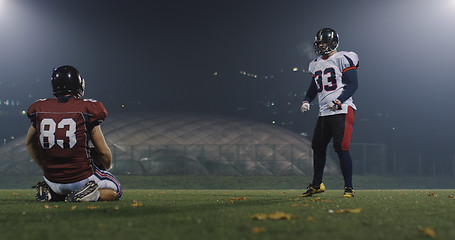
63 132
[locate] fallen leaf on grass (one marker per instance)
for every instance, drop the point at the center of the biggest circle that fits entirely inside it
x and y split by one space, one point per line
318 199
234 200
300 205
315 199
16 194
48 207
355 210
310 218
281 215
238 199
73 207
428 231
92 207
273 216
136 204
257 230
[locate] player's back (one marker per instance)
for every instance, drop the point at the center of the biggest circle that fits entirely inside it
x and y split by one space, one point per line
63 132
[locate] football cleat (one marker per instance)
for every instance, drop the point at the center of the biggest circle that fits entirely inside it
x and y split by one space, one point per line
348 192
313 189
89 193
43 192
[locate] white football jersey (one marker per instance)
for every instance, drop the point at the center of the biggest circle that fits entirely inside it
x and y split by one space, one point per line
327 74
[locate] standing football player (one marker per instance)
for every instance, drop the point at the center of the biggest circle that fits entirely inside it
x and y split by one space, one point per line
58 141
334 82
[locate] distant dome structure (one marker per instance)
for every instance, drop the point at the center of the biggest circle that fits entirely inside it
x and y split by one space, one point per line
191 144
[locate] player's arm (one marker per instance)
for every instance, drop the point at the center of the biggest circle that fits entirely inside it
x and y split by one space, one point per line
351 81
102 155
312 91
310 95
33 146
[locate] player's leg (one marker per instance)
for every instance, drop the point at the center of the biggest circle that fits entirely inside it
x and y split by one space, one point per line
101 186
107 194
108 186
321 139
88 193
342 132
85 190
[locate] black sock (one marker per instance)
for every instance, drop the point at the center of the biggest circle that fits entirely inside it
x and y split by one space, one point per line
346 167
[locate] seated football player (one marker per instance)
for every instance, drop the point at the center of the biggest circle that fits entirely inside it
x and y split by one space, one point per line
58 142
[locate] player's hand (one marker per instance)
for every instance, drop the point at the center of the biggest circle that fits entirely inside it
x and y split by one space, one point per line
305 106
334 105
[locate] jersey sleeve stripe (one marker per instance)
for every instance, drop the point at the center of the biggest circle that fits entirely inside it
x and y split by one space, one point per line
349 68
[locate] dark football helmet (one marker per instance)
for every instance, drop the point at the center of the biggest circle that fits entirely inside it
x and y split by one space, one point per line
67 80
326 35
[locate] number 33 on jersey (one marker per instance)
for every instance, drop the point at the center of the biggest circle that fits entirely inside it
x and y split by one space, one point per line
328 76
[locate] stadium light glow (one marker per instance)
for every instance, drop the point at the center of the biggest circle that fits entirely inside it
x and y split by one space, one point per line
2 6
6 6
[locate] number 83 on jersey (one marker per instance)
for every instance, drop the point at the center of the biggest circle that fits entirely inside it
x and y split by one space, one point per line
48 129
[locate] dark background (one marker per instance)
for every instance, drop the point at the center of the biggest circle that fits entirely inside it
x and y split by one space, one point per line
241 58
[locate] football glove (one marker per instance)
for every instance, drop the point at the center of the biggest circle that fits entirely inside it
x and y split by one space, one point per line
334 105
305 106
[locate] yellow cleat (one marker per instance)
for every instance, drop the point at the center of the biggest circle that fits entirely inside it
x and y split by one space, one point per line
348 192
313 189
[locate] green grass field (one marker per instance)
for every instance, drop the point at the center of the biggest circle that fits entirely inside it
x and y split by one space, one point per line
230 214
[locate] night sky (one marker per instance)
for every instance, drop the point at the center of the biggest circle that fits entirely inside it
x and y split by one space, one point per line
163 54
